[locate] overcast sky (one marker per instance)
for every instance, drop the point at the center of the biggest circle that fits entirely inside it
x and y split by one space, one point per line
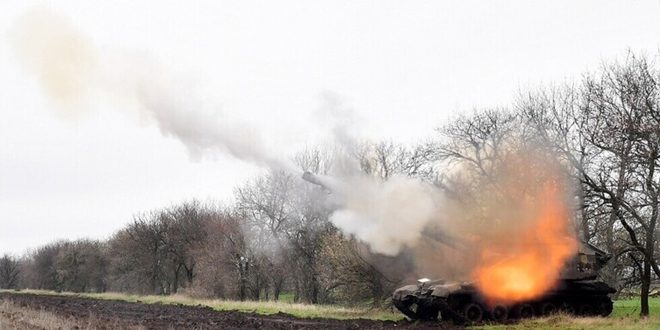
404 67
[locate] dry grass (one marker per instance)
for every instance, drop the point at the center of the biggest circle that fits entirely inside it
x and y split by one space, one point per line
22 318
570 322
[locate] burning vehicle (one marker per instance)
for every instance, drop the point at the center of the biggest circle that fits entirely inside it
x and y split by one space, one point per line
576 292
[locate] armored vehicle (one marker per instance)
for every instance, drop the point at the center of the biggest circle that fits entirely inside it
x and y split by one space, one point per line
577 292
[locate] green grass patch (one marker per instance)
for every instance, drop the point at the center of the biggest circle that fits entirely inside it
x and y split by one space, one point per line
286 297
571 322
625 316
259 307
630 307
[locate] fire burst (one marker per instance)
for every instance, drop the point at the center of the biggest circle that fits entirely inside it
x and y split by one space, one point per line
532 263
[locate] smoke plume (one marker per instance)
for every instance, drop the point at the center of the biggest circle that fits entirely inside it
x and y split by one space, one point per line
388 215
77 76
489 224
63 60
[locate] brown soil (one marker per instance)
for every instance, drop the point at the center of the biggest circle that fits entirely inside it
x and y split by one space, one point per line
156 316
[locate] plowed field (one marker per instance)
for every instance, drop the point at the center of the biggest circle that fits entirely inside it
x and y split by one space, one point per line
115 314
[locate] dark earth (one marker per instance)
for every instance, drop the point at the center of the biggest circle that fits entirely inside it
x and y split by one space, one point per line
112 314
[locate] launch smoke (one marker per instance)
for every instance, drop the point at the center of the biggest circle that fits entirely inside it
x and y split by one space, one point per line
75 75
388 214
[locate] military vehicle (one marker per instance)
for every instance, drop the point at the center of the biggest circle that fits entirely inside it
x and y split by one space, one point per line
576 292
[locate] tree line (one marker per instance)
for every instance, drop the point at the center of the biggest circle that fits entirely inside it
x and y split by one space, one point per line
604 128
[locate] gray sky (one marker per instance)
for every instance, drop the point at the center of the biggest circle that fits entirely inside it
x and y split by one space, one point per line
403 67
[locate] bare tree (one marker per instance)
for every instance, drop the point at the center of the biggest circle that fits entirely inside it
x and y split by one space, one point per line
385 159
184 235
137 255
156 252
284 217
478 140
9 271
81 266
40 271
609 131
286 220
348 274
224 259
622 104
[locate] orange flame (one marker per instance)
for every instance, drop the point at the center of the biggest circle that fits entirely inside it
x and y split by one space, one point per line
531 264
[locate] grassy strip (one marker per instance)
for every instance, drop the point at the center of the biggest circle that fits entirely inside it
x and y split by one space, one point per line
259 307
624 316
570 322
630 307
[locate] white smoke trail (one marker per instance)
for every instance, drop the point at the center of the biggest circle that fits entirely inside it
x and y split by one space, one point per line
387 215
76 75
